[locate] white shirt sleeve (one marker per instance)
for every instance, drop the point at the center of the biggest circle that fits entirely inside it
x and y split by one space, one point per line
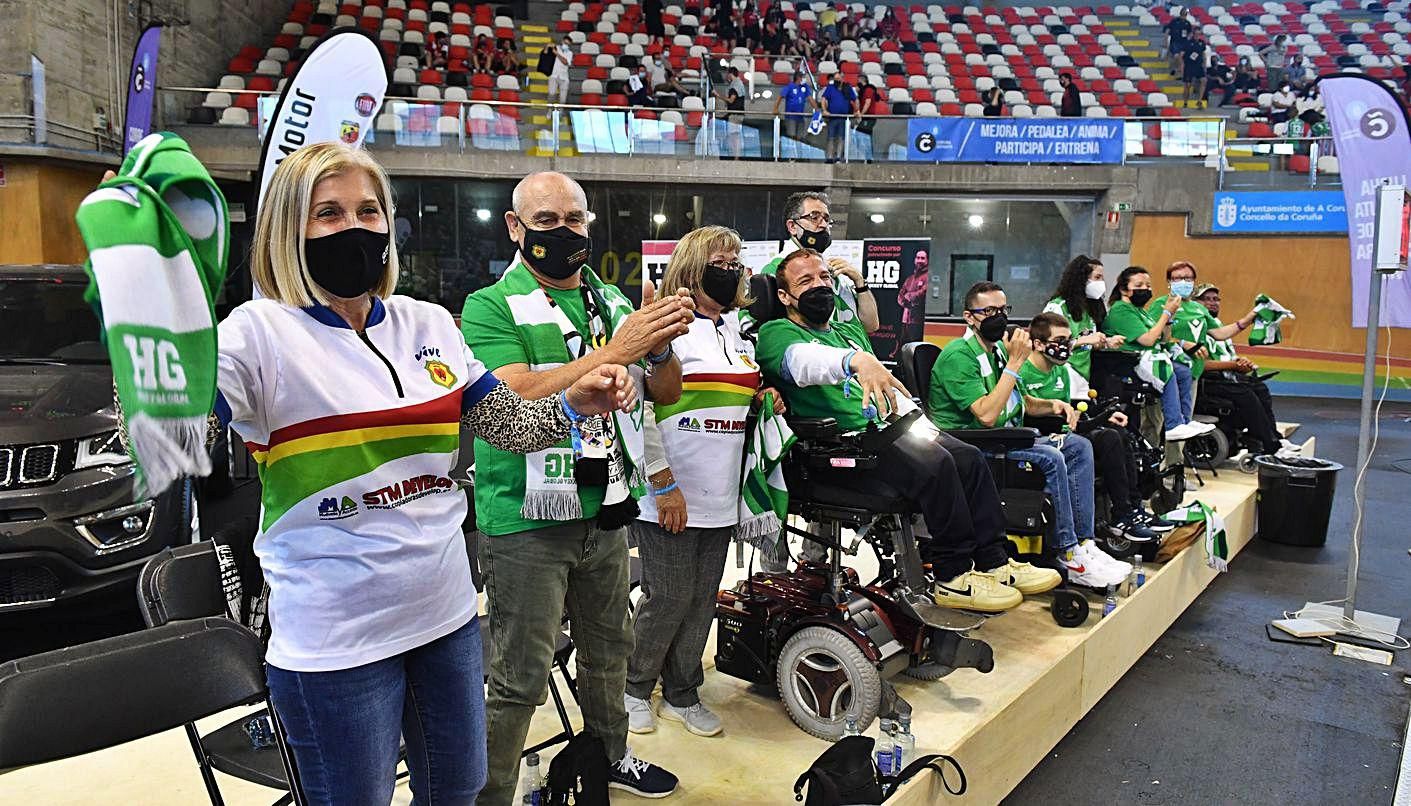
814 364
245 371
652 447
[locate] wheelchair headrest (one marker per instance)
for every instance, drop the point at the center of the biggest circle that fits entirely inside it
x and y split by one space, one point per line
766 306
914 363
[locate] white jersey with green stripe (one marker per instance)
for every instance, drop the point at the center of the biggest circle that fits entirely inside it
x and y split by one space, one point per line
355 435
703 434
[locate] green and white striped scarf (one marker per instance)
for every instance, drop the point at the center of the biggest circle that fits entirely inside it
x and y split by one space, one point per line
157 236
764 498
1268 313
548 338
1013 414
1217 546
1220 349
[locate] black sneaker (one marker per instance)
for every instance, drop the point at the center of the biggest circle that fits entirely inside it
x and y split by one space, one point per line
641 778
1135 531
1156 524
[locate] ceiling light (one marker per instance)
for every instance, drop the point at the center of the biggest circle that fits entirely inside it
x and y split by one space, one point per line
658 219
877 218
482 214
976 221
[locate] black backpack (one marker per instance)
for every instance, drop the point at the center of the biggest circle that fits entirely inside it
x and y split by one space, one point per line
578 775
847 774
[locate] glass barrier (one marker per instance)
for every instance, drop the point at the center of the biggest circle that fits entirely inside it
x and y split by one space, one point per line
686 128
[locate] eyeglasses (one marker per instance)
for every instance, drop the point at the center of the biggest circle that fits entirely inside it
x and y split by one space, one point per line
543 221
727 265
817 217
987 312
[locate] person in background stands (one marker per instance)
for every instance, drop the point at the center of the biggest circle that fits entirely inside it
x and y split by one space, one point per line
1072 104
691 514
869 101
639 87
1193 75
554 521
1282 105
1275 56
809 225
993 99
1178 31
797 98
558 79
839 103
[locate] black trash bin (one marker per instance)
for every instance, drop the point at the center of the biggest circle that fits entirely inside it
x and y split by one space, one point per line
1295 499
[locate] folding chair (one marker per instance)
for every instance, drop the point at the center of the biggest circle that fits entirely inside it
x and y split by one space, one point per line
103 693
184 583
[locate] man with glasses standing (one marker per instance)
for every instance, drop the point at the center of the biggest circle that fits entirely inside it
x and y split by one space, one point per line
554 521
976 384
809 225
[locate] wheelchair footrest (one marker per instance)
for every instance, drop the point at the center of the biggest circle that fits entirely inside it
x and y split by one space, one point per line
921 608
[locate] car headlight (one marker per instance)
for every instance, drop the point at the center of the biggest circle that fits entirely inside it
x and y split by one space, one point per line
100 451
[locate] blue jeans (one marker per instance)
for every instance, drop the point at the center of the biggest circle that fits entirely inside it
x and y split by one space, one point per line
344 726
1178 397
1068 480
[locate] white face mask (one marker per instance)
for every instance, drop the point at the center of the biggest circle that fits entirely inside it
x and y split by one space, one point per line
1095 289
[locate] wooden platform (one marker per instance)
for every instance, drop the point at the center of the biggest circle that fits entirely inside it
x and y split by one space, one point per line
998 725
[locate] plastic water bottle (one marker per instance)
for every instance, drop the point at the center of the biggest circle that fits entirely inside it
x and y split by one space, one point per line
886 738
533 783
904 744
850 726
1138 572
1110 603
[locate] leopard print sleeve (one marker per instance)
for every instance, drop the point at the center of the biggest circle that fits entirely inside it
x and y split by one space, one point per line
511 423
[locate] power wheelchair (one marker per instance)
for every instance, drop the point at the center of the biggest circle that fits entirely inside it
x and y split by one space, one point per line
1230 435
828 640
1114 382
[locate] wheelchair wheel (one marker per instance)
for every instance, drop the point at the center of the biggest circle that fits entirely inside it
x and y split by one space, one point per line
1170 490
1213 447
1248 465
823 677
1069 608
924 666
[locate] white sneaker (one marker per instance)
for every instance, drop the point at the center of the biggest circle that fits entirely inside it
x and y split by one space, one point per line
698 719
640 718
1180 432
1289 453
1201 428
1088 552
1082 569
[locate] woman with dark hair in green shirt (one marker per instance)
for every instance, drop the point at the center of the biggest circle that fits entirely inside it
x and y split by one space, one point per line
1150 335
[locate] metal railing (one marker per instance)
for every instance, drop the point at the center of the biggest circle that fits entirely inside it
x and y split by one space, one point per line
1254 162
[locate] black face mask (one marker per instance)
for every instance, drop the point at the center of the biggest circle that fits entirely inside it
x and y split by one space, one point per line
1058 352
817 241
1141 297
349 263
816 305
721 285
557 253
992 329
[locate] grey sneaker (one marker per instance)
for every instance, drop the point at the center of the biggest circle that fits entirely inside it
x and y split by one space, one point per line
640 718
698 719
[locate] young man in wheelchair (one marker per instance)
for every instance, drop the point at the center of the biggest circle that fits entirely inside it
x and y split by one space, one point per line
1046 375
825 368
1229 377
976 384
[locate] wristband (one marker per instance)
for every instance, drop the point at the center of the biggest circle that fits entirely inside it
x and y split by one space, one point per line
660 358
1240 326
866 289
1016 376
847 364
570 412
664 490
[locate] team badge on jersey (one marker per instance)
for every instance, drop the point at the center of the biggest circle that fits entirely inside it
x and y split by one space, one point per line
440 373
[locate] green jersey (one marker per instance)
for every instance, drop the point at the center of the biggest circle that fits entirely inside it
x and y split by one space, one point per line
842 401
1127 320
1082 360
1051 385
488 325
1191 322
964 373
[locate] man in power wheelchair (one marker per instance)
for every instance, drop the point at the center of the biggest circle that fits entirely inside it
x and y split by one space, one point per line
826 369
975 383
1232 390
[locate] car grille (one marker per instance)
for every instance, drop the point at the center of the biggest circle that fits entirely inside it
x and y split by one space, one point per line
33 465
25 585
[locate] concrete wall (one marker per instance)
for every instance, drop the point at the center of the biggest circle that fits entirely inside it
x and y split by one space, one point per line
86 47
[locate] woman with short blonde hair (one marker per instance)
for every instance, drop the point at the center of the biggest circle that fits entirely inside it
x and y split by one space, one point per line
695 449
351 400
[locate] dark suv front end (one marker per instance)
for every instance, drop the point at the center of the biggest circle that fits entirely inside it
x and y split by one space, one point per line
70 521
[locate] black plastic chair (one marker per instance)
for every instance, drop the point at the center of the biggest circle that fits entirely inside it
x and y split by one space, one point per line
111 691
182 584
